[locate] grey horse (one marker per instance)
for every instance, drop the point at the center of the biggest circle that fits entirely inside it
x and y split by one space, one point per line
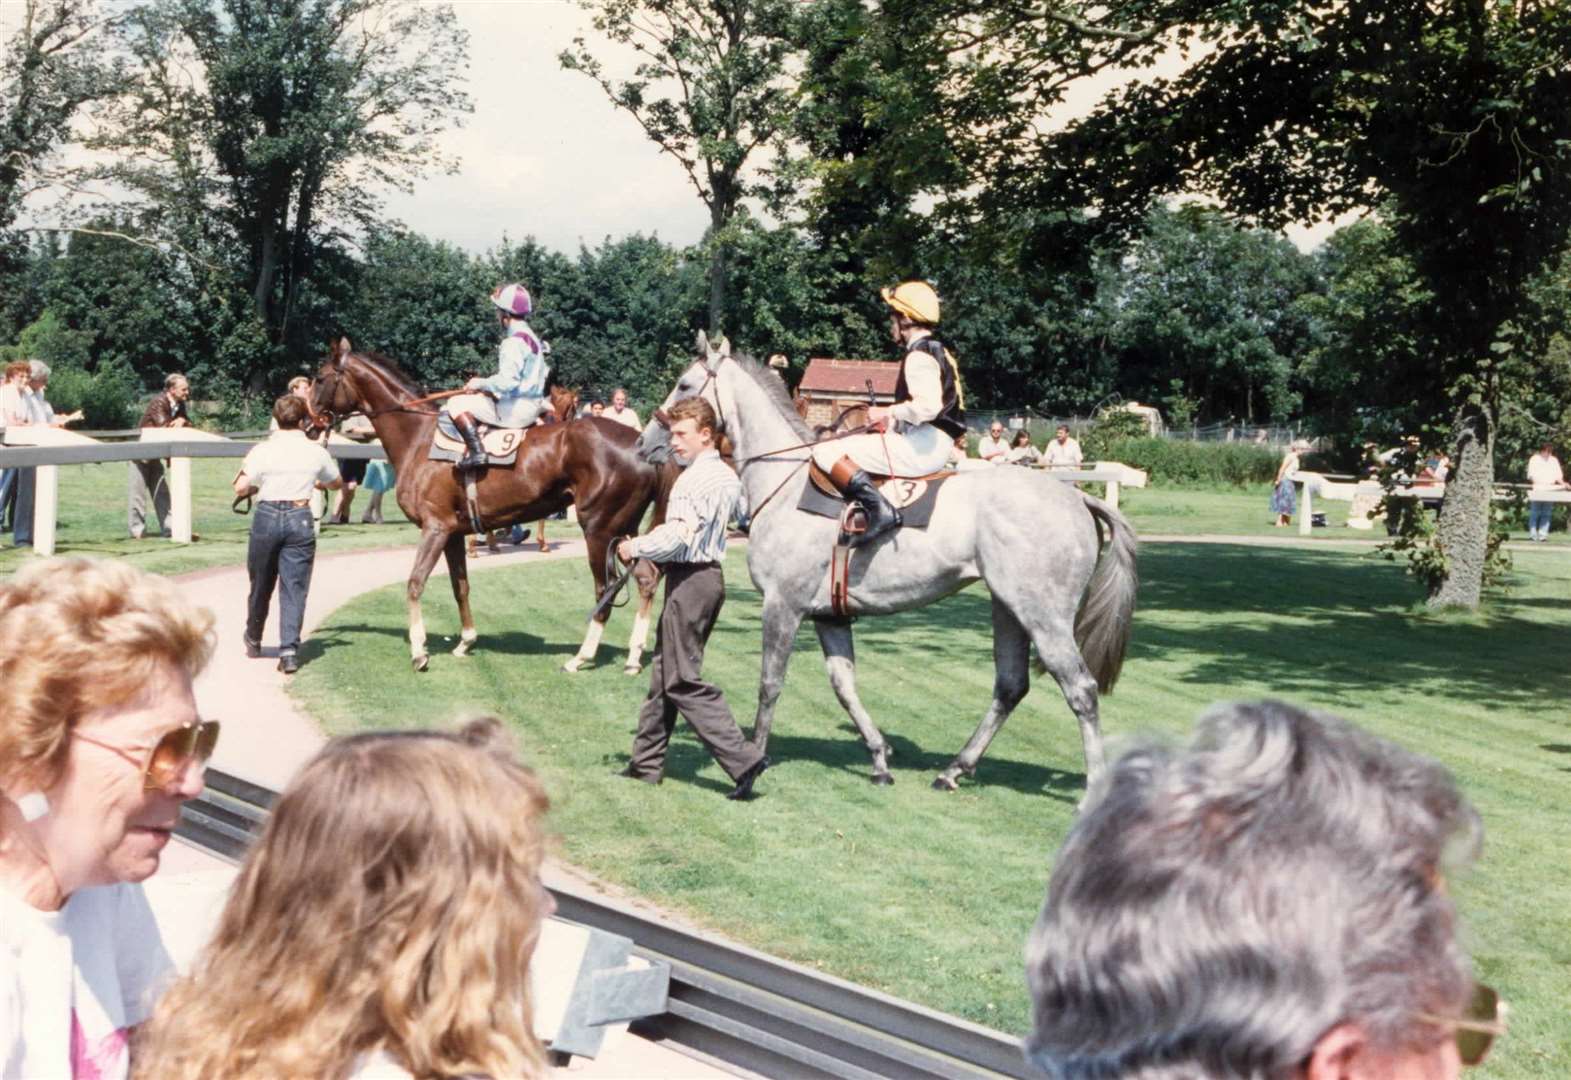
1034 540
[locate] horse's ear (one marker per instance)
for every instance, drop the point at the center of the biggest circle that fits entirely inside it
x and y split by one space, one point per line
342 348
723 347
703 343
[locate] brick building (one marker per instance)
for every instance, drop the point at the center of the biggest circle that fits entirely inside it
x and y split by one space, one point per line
831 386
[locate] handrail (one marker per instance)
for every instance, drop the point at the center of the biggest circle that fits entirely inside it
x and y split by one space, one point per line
742 1007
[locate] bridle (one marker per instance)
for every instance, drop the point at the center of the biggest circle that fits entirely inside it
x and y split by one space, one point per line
711 375
410 406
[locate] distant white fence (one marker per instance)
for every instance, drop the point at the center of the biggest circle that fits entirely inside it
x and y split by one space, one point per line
46 449
1350 489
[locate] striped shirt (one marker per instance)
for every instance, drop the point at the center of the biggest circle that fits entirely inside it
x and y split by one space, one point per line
702 501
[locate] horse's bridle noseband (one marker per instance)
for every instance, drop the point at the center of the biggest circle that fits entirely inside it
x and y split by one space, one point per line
711 374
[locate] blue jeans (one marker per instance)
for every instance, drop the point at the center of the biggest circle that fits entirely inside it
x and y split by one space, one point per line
282 550
22 516
1538 514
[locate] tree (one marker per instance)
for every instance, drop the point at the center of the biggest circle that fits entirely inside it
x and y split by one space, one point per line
723 64
1217 309
265 127
1449 118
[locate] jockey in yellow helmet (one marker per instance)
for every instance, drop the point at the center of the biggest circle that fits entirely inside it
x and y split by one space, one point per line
916 433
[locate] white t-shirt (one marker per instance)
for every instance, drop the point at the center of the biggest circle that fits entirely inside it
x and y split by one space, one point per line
991 449
13 410
74 982
1544 473
1065 455
626 417
286 467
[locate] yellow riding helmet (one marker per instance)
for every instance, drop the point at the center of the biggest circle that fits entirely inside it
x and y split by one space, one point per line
915 300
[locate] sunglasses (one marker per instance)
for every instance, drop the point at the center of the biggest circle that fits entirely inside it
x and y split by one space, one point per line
1478 1026
171 755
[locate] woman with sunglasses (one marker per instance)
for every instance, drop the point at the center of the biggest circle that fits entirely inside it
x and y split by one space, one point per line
99 745
1268 903
382 927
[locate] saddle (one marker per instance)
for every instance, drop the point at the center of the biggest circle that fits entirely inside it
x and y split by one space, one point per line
501 444
913 496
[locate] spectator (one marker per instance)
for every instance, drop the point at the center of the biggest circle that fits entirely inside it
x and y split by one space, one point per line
1284 496
39 414
597 408
13 414
1063 452
379 480
167 410
1543 474
282 472
620 412
1269 902
100 743
356 426
958 454
1021 452
38 374
382 926
993 448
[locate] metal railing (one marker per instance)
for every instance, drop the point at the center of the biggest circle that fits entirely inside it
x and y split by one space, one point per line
751 1011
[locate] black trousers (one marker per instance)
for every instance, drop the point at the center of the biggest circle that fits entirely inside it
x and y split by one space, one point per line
693 596
281 553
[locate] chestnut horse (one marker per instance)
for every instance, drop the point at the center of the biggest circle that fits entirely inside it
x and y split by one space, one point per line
591 463
564 407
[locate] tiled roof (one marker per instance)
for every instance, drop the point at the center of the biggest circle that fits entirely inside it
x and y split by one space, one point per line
824 376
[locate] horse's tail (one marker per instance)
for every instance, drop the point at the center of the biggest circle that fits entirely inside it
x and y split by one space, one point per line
1103 623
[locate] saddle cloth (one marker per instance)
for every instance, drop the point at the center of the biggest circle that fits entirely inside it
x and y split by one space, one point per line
914 497
501 444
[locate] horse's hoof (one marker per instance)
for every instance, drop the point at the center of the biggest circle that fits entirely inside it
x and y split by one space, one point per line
882 779
944 783
632 669
461 650
572 665
421 662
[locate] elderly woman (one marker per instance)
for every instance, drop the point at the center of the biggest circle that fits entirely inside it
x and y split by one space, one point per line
100 743
382 926
1268 903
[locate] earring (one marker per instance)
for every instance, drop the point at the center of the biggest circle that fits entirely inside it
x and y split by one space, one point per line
33 805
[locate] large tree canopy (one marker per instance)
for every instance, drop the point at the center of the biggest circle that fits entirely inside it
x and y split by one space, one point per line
1452 119
259 130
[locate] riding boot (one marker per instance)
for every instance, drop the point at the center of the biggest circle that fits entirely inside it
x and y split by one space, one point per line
474 453
856 485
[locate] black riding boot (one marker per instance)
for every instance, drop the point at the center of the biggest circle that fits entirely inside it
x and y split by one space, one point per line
474 453
855 484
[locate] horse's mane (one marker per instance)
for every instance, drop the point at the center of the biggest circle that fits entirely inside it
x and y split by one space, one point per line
771 384
388 364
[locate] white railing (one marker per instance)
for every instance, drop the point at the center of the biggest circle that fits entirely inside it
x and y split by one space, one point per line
46 449
1347 489
1112 473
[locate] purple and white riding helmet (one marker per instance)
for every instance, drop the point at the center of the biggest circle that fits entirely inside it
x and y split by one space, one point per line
512 298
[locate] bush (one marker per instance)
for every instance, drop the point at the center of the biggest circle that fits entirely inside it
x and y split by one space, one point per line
1181 462
109 397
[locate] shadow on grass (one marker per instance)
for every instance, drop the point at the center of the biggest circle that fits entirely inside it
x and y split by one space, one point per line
506 642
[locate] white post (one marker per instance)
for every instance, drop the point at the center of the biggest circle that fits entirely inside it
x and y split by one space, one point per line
180 500
46 504
1306 509
1112 494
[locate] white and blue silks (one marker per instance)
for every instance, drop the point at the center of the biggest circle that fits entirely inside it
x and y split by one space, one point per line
515 395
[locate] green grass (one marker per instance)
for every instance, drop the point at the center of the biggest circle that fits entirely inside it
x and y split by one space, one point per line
930 896
93 522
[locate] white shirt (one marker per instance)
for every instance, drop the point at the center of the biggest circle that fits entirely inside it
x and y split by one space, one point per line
39 411
1065 455
74 982
626 417
703 500
13 410
1544 472
991 449
287 466
925 384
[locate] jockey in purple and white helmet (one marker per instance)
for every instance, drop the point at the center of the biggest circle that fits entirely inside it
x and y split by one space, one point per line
515 395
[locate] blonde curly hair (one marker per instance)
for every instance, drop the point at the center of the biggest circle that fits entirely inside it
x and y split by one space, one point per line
77 635
392 903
